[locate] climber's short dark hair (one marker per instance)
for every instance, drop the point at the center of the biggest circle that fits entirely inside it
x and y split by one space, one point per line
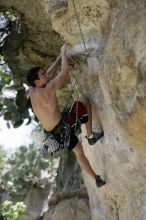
32 75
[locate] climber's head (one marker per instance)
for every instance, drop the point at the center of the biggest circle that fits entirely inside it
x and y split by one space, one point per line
36 77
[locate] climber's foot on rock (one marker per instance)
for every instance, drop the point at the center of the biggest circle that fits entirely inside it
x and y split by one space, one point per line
99 181
94 137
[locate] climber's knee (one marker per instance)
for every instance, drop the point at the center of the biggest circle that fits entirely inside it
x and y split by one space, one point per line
85 100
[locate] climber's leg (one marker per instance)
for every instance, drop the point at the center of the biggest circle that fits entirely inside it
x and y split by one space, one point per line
84 163
92 137
87 104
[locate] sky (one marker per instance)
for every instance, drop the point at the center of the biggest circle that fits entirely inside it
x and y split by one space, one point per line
13 138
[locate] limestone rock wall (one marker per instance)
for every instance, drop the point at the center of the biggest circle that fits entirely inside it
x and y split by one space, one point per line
35 43
111 72
74 208
35 202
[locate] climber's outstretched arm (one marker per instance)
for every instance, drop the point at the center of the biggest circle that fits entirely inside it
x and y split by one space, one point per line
64 72
53 68
62 75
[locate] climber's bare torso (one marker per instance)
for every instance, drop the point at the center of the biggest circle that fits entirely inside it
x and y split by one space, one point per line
43 95
45 107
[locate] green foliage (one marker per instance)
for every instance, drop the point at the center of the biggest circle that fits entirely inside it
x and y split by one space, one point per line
14 107
2 164
9 16
10 211
24 170
5 77
14 103
2 157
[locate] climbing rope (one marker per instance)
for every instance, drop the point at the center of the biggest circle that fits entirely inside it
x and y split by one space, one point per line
78 20
82 36
71 92
76 79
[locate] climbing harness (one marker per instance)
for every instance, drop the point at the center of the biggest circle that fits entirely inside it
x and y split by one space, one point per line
67 132
68 127
76 115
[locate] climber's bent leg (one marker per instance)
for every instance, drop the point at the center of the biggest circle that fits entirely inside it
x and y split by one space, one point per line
92 137
84 164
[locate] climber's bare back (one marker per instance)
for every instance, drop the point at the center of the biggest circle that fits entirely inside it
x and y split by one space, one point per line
45 107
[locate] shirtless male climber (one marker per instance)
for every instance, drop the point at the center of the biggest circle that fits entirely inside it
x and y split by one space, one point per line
60 128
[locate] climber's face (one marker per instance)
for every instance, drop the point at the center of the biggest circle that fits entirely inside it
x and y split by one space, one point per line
41 81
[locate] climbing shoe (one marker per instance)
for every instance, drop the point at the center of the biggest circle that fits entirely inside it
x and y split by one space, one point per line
99 181
95 137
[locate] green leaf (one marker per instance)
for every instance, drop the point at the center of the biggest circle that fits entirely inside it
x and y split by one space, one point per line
18 123
7 116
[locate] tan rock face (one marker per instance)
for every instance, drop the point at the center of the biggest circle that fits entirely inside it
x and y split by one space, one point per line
69 209
113 77
36 43
123 76
112 74
34 201
88 13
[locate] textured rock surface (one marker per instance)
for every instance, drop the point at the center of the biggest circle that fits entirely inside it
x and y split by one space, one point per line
112 74
72 209
34 201
89 13
36 43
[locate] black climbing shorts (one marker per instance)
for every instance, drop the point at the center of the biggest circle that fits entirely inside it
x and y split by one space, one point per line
74 117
